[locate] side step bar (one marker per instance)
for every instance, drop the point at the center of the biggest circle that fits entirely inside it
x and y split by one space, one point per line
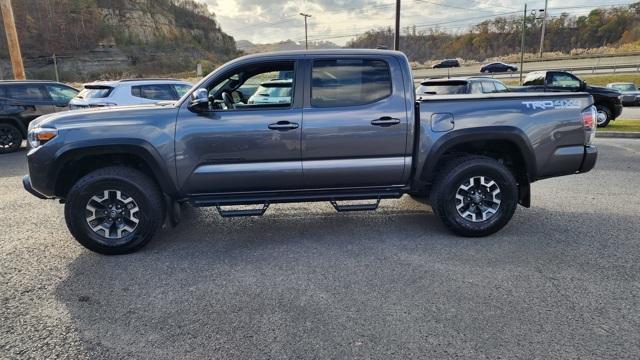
242 212
265 199
355 207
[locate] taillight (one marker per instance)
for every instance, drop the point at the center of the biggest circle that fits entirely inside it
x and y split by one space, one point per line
590 123
589 118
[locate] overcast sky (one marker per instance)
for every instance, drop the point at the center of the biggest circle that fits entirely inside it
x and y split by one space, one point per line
267 21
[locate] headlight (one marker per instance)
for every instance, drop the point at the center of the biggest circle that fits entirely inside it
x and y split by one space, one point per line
39 136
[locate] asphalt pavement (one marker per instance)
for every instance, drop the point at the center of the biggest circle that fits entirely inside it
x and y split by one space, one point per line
561 281
630 112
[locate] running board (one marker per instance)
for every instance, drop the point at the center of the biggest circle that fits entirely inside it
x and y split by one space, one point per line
297 196
355 207
242 212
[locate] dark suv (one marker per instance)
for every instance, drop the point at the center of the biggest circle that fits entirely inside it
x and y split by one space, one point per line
23 101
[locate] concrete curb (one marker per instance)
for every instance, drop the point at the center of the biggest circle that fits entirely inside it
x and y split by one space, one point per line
618 134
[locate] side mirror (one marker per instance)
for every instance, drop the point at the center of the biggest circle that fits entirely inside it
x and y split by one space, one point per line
199 100
583 84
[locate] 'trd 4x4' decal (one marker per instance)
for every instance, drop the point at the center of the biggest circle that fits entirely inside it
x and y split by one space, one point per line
553 104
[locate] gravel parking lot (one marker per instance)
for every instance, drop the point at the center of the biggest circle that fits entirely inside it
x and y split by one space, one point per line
561 281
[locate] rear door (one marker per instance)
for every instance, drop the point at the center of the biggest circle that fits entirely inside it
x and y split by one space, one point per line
354 123
28 101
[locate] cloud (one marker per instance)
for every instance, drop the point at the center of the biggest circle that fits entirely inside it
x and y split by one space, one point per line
267 21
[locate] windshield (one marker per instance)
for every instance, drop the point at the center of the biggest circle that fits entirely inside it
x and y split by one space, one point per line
624 87
95 92
442 89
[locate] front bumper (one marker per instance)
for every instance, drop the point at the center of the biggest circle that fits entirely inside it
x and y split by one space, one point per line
26 183
617 110
589 160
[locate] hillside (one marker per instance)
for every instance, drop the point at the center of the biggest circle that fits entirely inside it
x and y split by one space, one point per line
131 36
251 48
612 27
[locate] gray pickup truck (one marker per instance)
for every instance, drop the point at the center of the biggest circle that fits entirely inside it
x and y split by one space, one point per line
349 132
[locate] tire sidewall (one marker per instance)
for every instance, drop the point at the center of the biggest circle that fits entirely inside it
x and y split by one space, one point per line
17 136
605 110
508 192
76 217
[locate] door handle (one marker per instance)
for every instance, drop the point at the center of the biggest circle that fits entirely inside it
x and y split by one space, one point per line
385 121
283 126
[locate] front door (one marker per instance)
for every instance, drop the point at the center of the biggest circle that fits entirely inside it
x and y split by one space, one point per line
241 144
355 123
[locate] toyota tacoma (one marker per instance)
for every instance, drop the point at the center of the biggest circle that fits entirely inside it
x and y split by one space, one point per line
351 133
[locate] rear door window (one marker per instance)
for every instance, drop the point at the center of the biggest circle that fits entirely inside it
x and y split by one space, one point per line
349 82
27 93
153 92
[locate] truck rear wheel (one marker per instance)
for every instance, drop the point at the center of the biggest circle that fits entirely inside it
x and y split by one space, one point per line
114 210
10 138
474 196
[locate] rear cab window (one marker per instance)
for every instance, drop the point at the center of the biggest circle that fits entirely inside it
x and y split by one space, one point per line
349 82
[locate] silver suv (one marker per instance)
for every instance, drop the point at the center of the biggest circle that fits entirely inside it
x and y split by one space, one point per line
129 92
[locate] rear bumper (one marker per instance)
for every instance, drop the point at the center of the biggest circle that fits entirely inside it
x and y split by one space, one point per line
26 183
589 160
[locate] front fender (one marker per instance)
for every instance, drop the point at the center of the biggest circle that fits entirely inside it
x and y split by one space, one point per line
163 171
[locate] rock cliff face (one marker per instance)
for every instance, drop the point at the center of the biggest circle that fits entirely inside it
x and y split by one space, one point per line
153 21
103 38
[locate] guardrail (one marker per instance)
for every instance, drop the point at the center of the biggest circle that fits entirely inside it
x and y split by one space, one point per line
595 69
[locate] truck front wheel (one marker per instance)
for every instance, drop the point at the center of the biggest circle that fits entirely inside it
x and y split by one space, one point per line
114 210
603 117
474 196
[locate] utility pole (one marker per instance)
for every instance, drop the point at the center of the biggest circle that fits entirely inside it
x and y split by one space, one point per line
55 67
544 25
396 41
12 40
524 27
306 39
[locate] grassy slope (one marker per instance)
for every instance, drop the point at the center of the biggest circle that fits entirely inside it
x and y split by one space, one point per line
623 125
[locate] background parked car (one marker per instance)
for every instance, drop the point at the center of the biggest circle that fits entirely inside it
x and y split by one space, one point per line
630 93
447 63
498 67
272 92
607 101
129 92
23 101
470 85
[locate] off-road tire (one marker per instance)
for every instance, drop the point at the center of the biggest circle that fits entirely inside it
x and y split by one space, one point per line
448 182
129 181
11 138
602 109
